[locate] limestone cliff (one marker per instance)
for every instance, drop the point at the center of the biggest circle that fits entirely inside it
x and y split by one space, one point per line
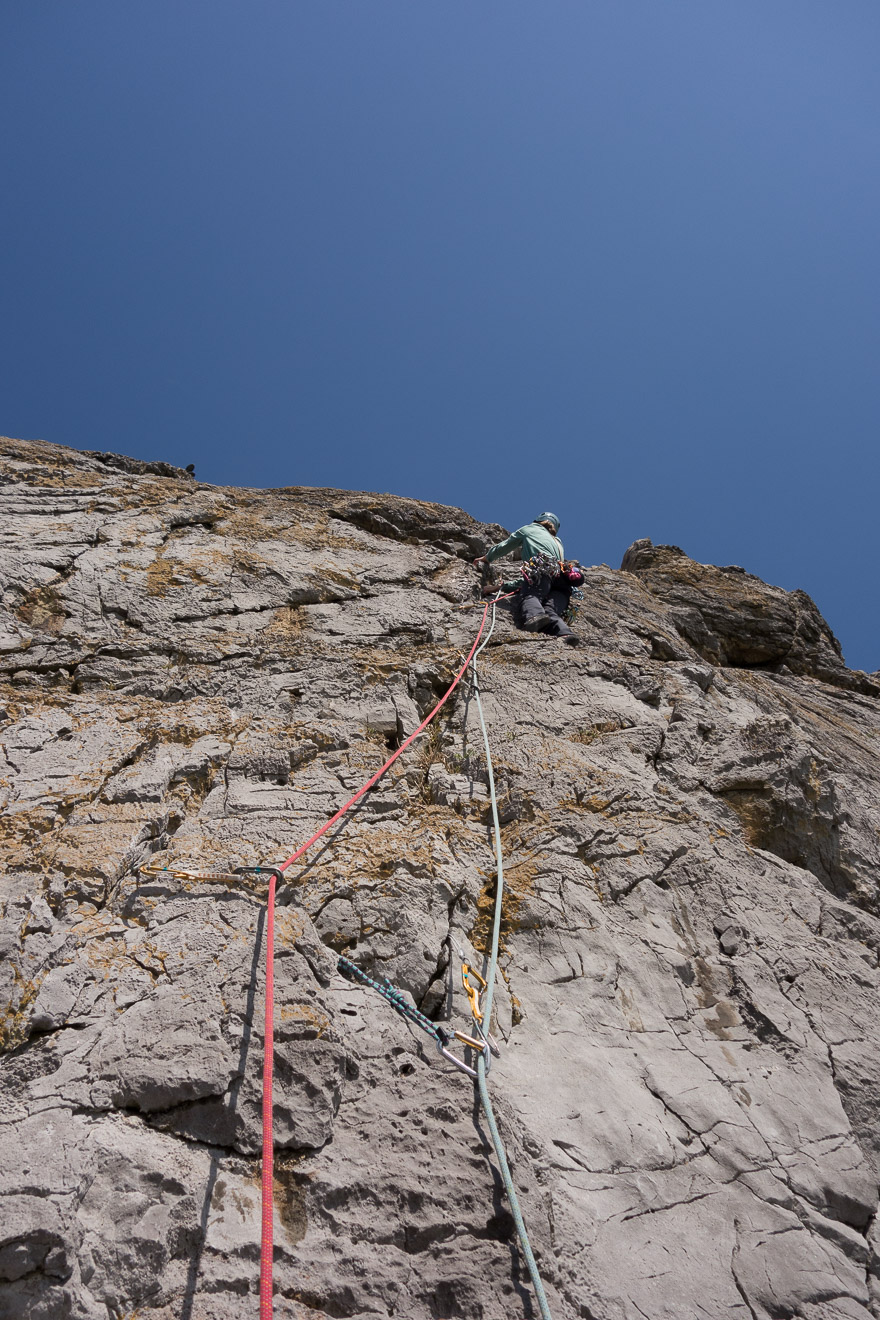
689 1077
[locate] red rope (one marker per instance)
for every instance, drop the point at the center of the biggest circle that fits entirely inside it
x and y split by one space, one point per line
266 1244
402 748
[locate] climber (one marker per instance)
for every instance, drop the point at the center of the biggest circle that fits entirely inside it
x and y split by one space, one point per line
544 589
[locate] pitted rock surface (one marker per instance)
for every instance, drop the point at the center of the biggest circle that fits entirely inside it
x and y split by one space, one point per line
689 1068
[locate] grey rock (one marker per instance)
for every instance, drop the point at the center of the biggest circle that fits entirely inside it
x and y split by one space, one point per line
733 618
688 1077
32 1239
135 465
34 1259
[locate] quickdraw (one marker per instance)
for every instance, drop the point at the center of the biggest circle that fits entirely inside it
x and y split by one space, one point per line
153 870
442 1039
474 993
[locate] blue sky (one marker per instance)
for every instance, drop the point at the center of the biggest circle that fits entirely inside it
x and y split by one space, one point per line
617 258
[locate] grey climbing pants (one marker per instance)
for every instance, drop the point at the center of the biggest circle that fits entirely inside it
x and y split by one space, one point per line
544 597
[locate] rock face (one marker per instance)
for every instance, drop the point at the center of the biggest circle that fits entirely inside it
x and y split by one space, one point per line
733 618
689 1073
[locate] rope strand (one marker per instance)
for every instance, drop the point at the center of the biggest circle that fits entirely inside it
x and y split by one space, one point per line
483 1089
268 1170
267 1179
267 1242
402 748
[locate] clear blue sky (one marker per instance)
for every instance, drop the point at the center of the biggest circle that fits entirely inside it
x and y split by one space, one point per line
618 258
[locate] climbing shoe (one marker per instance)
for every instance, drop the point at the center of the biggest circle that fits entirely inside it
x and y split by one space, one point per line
572 639
536 623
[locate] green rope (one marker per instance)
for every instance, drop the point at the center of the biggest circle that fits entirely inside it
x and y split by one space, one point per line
395 998
398 1002
487 1011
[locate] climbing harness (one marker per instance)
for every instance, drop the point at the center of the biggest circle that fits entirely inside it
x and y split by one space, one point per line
544 565
569 570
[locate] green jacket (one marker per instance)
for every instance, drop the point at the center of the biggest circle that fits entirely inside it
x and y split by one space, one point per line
533 538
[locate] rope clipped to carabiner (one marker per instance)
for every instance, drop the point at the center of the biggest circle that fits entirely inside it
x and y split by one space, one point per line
483 1011
153 870
474 993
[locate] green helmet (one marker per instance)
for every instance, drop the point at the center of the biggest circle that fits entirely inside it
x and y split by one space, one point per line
550 518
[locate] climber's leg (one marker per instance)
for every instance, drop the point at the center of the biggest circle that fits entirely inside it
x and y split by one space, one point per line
555 605
532 614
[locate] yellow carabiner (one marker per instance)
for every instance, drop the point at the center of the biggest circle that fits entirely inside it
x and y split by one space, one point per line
153 868
473 992
478 1045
